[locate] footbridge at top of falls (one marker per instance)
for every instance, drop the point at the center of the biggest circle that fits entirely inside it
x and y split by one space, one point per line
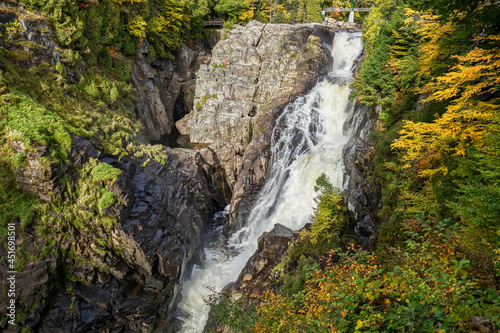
355 6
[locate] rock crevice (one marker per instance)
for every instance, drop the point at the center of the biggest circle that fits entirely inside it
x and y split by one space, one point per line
361 191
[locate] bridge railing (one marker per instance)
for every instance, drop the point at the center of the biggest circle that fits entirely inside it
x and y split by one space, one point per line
216 23
338 10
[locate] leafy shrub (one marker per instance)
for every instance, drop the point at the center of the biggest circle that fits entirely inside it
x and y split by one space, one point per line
429 288
230 313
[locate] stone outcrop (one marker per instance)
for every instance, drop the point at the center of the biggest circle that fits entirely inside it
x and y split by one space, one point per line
255 276
39 174
165 88
361 191
479 324
252 75
33 29
134 284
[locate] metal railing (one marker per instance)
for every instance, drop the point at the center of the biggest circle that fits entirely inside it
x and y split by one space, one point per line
338 10
216 23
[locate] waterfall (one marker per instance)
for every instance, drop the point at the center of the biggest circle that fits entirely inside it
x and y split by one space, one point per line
351 16
308 140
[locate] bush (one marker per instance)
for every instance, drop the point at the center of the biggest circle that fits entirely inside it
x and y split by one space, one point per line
429 288
230 313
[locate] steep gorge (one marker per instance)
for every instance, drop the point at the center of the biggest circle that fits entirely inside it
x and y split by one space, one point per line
307 140
113 234
127 276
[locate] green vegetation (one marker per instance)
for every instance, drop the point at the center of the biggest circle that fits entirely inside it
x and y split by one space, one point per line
14 206
41 107
281 11
426 284
231 313
436 158
97 29
427 288
431 76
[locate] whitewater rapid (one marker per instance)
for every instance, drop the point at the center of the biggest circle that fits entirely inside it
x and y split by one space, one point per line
307 142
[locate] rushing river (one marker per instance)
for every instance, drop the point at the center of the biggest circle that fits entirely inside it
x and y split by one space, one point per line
308 141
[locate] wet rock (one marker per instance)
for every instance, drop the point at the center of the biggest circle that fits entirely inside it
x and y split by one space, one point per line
254 278
361 191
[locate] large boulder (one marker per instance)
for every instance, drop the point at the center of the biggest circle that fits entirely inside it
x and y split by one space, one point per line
255 276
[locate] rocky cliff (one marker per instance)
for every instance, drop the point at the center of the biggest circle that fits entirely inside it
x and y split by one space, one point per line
253 74
165 88
131 278
361 191
113 234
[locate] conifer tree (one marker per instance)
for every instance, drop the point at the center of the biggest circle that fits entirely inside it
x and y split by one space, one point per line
300 11
313 11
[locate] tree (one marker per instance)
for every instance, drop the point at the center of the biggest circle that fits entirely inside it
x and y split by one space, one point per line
461 146
231 9
313 11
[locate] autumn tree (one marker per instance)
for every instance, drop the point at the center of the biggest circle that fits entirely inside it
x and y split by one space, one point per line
459 143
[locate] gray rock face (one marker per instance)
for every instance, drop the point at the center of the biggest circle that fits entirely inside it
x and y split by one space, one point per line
39 174
161 222
33 30
253 74
361 192
165 88
254 278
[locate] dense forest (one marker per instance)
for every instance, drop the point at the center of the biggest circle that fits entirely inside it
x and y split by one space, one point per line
430 73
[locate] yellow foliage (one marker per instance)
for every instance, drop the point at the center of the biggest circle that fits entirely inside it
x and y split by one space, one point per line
137 27
431 31
467 118
247 15
375 21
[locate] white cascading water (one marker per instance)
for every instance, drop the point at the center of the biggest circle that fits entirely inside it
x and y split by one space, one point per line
351 16
307 141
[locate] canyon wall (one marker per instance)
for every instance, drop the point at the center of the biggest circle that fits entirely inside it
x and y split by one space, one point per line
254 72
77 274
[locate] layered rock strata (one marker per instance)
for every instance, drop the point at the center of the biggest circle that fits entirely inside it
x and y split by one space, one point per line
252 75
165 88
